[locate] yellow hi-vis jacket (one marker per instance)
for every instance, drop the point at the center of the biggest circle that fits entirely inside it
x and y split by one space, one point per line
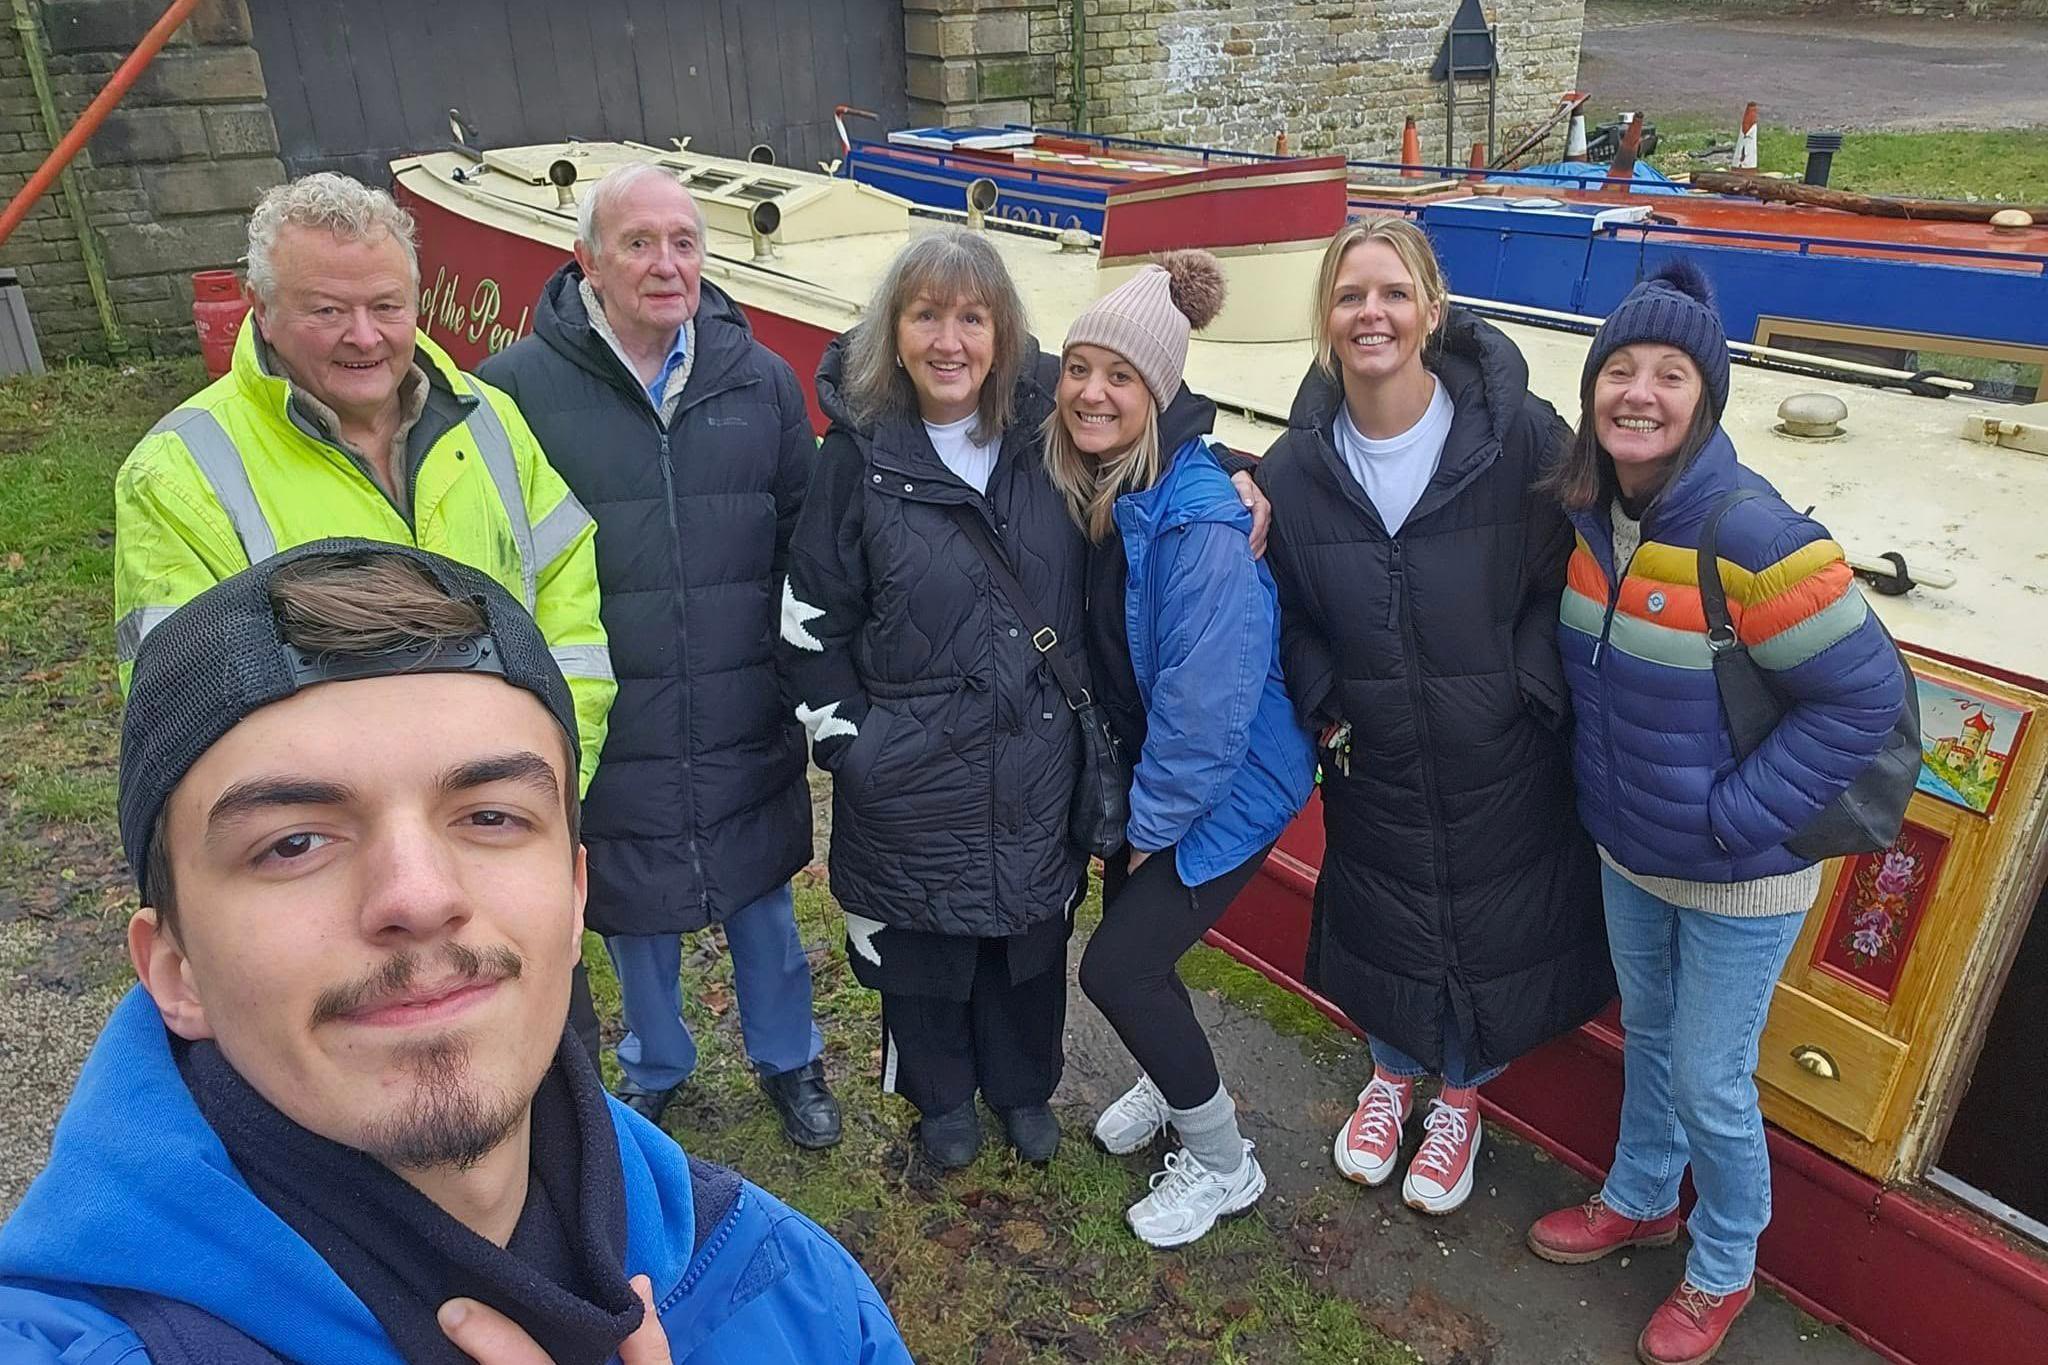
235 474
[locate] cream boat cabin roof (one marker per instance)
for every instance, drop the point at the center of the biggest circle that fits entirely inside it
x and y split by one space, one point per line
1901 477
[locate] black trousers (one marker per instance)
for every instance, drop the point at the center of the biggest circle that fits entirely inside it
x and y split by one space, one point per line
1005 1039
1149 920
583 1013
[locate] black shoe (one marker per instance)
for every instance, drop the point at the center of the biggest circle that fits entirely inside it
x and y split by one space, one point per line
648 1104
952 1139
1033 1131
810 1116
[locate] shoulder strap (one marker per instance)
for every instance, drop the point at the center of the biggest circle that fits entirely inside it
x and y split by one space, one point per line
1044 638
1713 594
176 1333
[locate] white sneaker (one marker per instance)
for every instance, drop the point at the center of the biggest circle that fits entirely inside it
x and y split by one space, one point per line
1138 1116
1187 1198
1440 1177
1370 1142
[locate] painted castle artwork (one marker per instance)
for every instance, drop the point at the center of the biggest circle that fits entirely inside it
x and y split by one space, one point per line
1967 740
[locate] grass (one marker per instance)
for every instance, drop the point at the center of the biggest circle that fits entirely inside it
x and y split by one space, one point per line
62 435
2009 166
999 1264
1004 1262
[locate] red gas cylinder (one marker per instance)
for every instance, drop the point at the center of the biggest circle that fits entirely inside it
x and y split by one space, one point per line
218 307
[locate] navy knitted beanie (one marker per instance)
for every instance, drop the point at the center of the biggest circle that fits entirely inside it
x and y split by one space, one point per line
1675 306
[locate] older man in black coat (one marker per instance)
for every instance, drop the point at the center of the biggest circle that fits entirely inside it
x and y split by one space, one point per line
688 441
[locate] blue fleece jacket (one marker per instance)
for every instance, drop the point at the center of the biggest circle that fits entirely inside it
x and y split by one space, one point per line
140 1194
1659 784
1225 764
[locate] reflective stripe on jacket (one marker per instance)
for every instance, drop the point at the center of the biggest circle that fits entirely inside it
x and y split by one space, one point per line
234 475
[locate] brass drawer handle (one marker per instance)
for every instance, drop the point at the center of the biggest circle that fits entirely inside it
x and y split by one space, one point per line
1817 1061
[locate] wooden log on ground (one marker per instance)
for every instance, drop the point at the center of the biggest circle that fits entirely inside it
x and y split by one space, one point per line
1762 187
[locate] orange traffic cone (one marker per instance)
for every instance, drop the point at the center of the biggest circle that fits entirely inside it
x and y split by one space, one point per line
1477 162
1411 151
1280 143
1745 141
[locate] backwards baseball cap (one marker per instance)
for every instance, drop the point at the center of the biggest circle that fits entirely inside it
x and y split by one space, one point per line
223 655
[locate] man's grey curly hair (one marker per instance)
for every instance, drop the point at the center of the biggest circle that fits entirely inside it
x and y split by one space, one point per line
333 203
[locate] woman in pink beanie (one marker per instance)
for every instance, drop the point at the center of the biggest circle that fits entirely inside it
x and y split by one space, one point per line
1184 646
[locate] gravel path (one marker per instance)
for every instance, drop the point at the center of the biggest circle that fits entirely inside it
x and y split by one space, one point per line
45 1033
1852 70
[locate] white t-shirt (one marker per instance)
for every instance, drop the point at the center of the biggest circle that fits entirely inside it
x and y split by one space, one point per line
973 462
1393 472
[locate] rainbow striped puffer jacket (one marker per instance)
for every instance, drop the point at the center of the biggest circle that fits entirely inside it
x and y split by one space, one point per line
1659 785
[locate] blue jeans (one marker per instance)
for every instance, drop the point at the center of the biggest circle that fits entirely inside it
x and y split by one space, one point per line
1695 989
770 976
1456 1073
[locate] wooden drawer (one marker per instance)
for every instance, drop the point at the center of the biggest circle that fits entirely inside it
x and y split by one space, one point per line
1865 1062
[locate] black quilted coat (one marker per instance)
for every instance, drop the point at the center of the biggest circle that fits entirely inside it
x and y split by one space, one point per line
952 752
1457 877
699 806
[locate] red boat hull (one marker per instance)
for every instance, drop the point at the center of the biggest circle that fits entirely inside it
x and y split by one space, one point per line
1903 1271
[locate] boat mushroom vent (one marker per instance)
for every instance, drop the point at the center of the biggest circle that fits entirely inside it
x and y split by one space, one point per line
762 221
562 175
1812 417
981 200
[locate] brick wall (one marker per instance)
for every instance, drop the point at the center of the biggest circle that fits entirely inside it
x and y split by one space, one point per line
1337 75
974 61
168 180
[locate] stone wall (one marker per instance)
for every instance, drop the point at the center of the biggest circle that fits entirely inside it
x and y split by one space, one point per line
1335 75
973 61
168 181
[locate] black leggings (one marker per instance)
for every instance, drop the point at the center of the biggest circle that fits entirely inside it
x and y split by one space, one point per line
1149 920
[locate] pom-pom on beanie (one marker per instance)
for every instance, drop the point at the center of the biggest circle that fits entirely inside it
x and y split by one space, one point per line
1675 307
1147 318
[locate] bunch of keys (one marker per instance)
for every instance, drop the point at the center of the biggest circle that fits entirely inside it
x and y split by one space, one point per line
1336 742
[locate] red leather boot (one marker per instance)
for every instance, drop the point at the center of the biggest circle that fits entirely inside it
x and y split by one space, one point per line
1586 1232
1688 1327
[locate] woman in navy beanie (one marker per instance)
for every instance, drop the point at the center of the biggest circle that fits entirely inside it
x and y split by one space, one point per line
1703 899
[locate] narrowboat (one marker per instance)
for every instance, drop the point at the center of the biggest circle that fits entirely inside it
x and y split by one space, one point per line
1898 1067
1565 238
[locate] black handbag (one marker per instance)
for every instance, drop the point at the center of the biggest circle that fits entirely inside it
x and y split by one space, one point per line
1102 800
1866 817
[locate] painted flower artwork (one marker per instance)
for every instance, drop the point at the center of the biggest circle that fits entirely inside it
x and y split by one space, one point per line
1878 906
1879 911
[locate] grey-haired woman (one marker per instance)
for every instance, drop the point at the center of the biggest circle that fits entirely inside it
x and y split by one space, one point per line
953 753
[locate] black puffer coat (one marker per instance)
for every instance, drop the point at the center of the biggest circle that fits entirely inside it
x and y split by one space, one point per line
699 806
952 752
1456 876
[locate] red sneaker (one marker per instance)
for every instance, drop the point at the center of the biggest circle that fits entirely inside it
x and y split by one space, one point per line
1371 1139
1688 1327
1440 1177
1588 1231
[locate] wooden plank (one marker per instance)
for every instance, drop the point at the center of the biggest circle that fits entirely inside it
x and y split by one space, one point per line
831 80
320 33
697 71
577 112
796 71
617 78
376 79
739 94
422 99
483 61
654 41
761 68
277 48
537 69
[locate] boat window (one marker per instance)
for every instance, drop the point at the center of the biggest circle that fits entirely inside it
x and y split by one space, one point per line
2004 372
760 190
710 178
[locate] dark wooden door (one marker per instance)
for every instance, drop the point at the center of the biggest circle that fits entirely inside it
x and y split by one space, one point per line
354 85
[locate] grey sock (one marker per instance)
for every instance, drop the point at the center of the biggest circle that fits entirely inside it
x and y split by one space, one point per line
1209 1130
